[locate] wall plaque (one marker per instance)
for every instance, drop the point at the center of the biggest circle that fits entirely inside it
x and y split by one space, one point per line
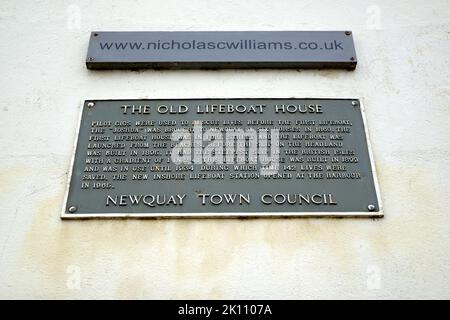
219 49
222 157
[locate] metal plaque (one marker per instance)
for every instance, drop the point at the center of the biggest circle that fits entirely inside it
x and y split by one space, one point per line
220 49
222 157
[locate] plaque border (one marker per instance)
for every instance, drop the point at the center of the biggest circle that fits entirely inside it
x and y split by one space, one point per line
224 215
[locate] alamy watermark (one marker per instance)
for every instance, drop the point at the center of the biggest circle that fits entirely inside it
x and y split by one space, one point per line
227 146
373 21
73 281
373 280
73 17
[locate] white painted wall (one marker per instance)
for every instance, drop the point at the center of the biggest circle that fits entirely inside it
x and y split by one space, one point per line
402 75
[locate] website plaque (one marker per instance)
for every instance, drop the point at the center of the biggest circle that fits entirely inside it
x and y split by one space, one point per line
220 49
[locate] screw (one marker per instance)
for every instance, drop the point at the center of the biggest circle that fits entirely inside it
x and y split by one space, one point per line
90 104
72 209
95 34
354 103
91 59
352 58
371 207
347 33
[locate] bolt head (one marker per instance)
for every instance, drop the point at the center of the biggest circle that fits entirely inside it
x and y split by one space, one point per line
371 207
348 33
72 209
90 104
355 103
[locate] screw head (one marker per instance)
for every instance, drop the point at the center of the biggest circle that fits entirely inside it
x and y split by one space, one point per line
91 59
371 207
355 103
347 33
90 104
72 209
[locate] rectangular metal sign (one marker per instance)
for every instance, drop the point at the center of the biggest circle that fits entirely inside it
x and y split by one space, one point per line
222 157
220 49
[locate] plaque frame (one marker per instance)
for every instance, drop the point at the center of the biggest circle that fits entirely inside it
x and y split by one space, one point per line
223 215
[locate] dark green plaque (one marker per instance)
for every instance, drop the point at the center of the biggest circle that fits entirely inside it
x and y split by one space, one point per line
220 157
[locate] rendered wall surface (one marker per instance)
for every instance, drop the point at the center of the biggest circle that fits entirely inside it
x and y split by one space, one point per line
402 77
